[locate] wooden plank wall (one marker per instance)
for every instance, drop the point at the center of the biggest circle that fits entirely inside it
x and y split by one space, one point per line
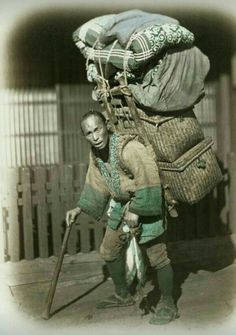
28 127
73 102
42 127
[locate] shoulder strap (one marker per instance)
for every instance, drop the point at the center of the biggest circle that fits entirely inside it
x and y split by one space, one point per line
123 140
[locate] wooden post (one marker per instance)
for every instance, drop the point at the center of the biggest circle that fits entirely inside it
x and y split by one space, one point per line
40 183
232 155
233 104
27 213
13 229
223 106
223 119
3 232
232 192
67 178
59 125
2 258
56 210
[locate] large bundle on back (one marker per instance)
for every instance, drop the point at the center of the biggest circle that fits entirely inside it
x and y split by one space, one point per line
149 75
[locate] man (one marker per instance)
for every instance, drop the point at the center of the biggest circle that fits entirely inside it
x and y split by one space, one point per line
121 169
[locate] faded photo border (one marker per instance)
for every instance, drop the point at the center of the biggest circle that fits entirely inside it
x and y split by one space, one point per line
13 13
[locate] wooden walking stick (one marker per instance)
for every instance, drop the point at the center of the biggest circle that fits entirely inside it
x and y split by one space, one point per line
52 289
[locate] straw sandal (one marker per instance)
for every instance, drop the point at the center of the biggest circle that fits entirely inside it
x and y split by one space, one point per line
164 313
115 301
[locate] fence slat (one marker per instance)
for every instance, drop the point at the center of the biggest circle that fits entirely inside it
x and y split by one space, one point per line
27 213
56 210
2 235
13 231
40 181
68 191
59 124
2 217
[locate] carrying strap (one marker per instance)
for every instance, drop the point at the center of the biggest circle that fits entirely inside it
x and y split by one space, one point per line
104 87
171 202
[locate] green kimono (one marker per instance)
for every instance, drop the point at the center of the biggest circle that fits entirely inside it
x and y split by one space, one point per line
129 177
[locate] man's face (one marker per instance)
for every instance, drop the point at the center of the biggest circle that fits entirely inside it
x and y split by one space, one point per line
95 132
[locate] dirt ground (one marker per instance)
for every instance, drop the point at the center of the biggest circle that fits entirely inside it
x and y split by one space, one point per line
205 295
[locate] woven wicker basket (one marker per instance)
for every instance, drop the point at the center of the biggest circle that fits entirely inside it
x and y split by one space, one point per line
187 163
194 174
171 136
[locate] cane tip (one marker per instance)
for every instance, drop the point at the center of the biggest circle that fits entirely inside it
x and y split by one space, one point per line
45 316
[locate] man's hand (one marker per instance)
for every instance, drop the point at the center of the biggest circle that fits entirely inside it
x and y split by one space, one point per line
131 219
71 215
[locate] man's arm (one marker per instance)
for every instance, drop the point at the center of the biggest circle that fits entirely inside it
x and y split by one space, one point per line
94 196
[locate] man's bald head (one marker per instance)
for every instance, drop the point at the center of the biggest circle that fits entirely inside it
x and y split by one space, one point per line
93 125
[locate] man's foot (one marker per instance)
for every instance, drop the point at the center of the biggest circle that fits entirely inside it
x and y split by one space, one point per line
116 301
165 312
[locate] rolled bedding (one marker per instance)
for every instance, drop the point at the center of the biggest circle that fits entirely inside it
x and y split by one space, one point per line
142 47
103 30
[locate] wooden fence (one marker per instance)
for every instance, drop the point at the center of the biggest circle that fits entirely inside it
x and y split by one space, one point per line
34 202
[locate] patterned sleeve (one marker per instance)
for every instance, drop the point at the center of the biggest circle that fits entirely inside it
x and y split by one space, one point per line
147 199
95 195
